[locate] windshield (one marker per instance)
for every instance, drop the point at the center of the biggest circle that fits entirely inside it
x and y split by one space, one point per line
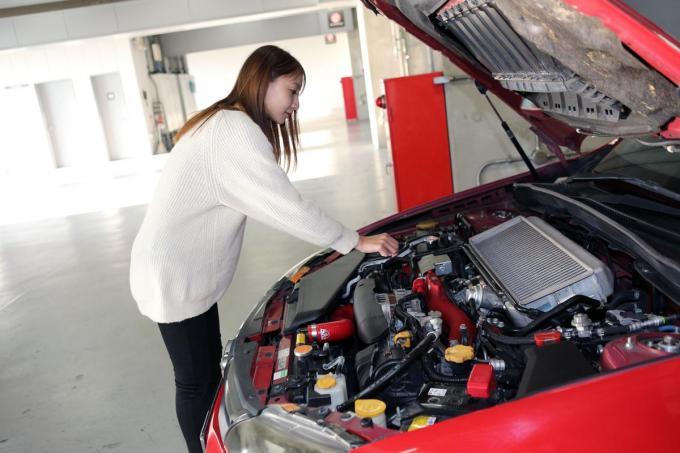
650 163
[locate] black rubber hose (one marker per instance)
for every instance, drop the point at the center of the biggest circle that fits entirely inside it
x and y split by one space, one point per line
381 383
548 315
407 319
622 297
413 296
436 376
508 340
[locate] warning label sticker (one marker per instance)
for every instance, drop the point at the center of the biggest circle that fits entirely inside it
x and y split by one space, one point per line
282 358
436 392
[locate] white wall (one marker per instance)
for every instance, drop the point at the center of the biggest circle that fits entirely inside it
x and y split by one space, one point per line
215 72
381 61
77 61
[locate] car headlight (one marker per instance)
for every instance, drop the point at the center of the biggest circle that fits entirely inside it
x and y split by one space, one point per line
276 430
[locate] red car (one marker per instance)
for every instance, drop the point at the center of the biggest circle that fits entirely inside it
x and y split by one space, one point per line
537 313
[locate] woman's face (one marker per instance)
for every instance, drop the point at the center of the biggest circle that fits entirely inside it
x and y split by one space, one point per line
281 99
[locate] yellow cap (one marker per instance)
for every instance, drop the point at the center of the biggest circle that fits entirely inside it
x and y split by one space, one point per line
459 353
300 339
422 421
290 407
403 338
303 350
369 408
427 225
325 382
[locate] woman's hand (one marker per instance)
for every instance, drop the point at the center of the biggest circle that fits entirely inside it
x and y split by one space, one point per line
383 243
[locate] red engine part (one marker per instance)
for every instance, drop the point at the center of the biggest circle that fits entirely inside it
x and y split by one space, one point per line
343 312
482 381
548 337
638 348
436 299
339 330
420 286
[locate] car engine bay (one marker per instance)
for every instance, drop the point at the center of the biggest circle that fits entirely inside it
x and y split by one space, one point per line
478 308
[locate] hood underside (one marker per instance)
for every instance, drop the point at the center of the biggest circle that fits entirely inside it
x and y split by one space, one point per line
563 63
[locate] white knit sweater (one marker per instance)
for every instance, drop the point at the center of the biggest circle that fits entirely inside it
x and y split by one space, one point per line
185 254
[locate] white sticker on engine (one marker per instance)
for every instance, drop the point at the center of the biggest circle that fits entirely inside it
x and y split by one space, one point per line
436 392
280 374
282 359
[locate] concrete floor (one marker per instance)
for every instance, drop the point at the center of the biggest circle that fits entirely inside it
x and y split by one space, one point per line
81 370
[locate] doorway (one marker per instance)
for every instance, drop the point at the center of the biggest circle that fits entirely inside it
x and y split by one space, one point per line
110 98
26 149
62 117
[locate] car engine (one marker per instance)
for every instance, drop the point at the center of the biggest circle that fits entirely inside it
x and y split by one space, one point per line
484 308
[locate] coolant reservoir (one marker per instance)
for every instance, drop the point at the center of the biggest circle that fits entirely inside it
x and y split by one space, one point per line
373 409
333 385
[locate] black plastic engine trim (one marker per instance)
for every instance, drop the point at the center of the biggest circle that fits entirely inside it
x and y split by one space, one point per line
552 365
318 289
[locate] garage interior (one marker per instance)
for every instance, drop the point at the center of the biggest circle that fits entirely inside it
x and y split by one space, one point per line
91 95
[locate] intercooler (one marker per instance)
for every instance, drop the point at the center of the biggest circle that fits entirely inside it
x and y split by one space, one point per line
518 65
539 267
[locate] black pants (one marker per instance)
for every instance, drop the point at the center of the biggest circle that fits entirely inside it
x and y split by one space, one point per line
195 349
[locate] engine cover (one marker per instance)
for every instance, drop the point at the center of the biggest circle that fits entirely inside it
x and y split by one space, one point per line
538 266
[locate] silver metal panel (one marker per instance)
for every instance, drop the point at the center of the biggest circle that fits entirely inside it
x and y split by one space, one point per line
519 66
514 62
538 266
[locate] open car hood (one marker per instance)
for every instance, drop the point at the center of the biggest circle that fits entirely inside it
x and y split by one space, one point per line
570 67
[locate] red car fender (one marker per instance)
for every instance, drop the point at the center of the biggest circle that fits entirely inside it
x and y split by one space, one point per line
630 411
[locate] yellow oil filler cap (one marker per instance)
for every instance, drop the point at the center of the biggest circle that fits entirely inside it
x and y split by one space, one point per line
303 350
369 408
325 382
459 353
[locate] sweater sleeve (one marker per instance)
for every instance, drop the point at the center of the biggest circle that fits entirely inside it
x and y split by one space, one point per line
248 179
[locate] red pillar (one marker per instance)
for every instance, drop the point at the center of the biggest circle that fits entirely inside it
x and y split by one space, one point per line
348 94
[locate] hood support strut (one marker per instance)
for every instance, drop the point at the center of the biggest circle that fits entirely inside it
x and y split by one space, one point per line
482 89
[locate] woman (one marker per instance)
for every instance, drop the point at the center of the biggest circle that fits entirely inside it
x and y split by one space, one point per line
224 169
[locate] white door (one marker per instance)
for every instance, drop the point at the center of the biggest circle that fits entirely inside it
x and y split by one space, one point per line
26 148
108 92
64 126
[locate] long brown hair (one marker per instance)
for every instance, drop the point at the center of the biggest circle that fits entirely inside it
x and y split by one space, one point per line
264 65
